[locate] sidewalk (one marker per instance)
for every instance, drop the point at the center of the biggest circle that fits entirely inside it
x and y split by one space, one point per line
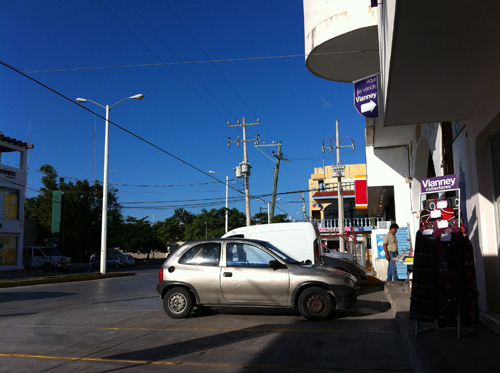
438 350
78 272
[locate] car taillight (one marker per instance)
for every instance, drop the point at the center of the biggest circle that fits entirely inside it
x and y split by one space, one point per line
317 249
160 275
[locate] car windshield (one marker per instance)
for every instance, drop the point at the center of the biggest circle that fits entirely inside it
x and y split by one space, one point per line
279 253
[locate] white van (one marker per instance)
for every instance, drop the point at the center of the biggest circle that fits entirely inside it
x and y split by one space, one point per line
302 242
46 258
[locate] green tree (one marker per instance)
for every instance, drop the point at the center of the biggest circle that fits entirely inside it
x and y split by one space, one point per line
211 224
280 218
171 230
138 236
82 212
236 219
261 218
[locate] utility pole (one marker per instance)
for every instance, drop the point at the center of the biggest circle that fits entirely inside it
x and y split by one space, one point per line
278 157
338 170
339 192
243 169
304 211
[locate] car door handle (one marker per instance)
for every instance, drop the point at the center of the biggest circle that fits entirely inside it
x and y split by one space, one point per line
227 274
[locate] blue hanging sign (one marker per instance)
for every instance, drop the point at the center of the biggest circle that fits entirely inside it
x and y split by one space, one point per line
366 96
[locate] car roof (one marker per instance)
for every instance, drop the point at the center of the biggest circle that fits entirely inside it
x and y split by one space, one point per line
231 239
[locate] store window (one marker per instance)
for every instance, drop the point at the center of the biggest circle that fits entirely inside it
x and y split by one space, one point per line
9 203
8 254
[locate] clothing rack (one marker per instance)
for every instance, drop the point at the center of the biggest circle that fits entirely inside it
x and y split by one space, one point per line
441 251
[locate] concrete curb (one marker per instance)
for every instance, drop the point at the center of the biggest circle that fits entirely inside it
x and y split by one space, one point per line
60 278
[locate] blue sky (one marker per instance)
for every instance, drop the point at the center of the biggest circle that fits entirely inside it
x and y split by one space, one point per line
239 59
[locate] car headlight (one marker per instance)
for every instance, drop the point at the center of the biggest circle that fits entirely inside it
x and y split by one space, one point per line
349 282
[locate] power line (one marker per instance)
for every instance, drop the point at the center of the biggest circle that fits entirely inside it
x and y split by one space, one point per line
171 51
118 126
205 53
116 184
193 62
159 59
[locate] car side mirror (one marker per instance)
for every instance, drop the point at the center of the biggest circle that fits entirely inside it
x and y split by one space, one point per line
274 264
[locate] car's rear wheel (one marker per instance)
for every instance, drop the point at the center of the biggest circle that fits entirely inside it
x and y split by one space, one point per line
178 303
315 304
117 265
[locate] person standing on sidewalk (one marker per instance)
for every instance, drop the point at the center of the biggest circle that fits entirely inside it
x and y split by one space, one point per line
93 262
391 251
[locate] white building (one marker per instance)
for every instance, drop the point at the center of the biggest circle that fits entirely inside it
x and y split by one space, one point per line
13 178
439 106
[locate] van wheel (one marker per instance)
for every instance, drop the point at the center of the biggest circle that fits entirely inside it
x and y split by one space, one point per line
315 304
46 267
178 303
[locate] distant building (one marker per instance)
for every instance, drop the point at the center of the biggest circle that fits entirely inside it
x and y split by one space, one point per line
13 178
323 195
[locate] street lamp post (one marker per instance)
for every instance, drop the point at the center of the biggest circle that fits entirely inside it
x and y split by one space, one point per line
227 193
268 211
104 229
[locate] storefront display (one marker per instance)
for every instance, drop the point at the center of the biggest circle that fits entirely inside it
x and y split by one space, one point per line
444 280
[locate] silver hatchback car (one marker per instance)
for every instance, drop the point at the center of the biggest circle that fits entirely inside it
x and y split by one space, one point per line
245 272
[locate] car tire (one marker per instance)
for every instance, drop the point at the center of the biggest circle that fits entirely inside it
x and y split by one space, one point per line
178 303
315 304
46 267
117 265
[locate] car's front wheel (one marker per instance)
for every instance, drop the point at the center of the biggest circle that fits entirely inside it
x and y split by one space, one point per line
315 304
178 303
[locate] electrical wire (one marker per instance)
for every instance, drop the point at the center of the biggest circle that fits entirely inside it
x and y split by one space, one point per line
206 55
176 56
120 127
162 63
194 62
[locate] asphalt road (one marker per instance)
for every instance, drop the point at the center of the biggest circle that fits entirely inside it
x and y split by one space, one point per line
118 324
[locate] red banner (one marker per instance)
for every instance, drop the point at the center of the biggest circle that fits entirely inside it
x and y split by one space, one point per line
361 194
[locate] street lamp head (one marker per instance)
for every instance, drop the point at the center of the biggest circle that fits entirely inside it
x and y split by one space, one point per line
81 100
140 96
211 172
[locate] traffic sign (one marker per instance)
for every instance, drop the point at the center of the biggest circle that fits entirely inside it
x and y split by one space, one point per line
366 96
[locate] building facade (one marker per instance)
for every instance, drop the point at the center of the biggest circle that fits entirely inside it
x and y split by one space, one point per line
439 107
13 177
323 192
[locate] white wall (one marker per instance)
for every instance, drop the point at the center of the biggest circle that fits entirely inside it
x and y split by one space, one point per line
327 19
389 166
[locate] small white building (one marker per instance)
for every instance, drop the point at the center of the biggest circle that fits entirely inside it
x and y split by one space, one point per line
439 107
13 177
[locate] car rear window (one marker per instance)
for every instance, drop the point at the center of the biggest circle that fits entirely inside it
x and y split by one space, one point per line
202 254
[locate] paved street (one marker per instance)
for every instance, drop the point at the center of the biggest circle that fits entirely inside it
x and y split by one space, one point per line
119 324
